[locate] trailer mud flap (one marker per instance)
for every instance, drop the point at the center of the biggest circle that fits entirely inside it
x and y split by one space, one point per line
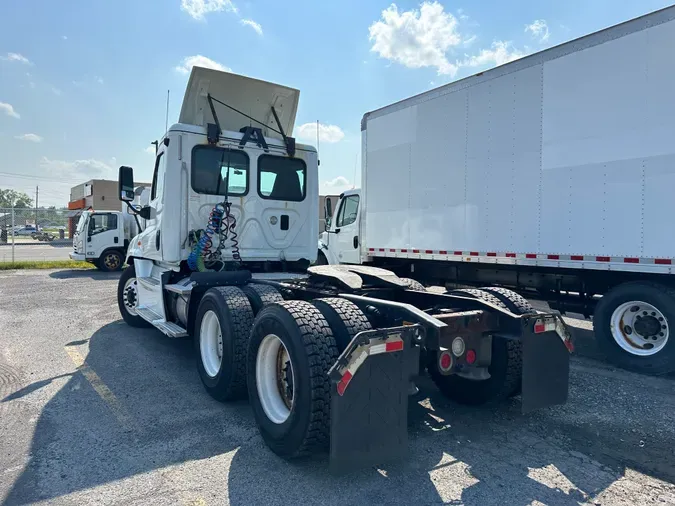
546 361
370 383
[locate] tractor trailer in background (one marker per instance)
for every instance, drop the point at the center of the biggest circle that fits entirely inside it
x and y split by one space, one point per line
552 175
327 355
102 237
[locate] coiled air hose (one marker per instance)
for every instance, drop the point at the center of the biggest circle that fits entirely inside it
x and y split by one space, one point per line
203 247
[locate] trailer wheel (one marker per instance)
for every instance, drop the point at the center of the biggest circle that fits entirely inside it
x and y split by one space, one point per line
222 328
261 295
505 369
344 317
110 261
290 352
127 298
634 325
414 285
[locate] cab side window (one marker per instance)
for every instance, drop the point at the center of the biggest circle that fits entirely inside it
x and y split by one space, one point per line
348 211
99 223
158 177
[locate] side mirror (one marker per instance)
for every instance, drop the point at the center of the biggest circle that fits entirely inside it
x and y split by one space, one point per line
327 211
126 184
145 212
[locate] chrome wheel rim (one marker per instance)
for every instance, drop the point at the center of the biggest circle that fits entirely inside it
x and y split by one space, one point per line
130 296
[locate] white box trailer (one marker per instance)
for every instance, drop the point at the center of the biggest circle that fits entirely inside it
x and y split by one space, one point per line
552 173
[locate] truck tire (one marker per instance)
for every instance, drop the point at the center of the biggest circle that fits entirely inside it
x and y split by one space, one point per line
321 258
110 260
260 295
344 317
629 323
414 285
222 327
127 299
292 412
505 369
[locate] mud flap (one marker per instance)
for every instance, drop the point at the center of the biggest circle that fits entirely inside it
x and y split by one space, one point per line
369 397
546 361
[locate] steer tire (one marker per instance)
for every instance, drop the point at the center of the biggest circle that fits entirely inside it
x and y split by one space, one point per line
235 318
344 317
261 295
505 369
308 340
133 320
110 261
659 296
414 285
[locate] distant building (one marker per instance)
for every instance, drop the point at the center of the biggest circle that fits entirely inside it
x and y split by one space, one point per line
96 194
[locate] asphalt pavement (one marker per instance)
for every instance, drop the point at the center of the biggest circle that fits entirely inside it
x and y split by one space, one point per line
35 251
95 412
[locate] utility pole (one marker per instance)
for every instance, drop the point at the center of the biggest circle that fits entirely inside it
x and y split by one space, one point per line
37 194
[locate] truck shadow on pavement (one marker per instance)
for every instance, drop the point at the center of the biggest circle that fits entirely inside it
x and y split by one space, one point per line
136 405
84 274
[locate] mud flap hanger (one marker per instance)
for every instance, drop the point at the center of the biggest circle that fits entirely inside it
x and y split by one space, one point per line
369 397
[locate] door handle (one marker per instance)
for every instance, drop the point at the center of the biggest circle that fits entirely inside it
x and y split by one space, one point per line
157 239
116 240
356 241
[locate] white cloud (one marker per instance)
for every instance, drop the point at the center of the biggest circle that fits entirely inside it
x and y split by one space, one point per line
99 80
252 24
335 186
538 29
29 137
16 57
199 61
64 37
78 169
31 85
9 110
198 9
150 150
56 91
500 53
415 38
327 133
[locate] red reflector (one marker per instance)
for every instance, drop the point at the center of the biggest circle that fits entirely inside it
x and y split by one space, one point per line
446 361
381 249
342 386
470 357
429 252
530 255
492 254
371 249
631 260
663 261
511 255
474 253
394 346
458 253
554 257
602 259
577 257
442 252
539 328
416 251
392 250
569 345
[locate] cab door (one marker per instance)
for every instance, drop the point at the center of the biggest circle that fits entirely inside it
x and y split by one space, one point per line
151 237
102 233
346 230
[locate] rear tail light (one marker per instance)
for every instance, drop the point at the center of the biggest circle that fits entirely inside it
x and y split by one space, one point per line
445 361
470 357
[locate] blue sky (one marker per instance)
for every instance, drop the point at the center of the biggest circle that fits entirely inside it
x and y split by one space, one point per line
83 83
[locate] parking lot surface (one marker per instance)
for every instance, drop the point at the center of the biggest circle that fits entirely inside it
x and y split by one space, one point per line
95 412
32 251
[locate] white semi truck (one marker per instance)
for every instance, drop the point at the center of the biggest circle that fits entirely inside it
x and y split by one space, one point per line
551 175
327 354
102 237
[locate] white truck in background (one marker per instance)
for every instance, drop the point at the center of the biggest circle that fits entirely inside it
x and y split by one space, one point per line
102 237
552 175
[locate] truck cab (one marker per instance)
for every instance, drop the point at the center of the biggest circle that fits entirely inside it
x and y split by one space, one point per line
340 242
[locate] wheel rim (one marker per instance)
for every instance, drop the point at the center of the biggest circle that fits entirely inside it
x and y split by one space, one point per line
639 328
111 261
274 379
211 343
130 296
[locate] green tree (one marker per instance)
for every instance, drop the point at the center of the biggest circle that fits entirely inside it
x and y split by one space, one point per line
13 198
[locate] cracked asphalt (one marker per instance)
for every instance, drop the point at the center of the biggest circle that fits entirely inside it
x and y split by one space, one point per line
95 412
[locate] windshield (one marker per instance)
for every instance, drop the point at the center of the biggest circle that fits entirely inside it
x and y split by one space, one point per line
82 222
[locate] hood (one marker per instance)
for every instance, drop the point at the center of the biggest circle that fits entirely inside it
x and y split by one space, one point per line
250 96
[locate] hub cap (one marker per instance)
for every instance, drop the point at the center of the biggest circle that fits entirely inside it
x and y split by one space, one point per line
130 296
639 328
111 261
274 379
211 343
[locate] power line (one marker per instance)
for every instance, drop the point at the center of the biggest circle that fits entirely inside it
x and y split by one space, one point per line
40 178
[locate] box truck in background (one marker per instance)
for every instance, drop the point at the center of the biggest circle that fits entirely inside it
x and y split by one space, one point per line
552 175
102 237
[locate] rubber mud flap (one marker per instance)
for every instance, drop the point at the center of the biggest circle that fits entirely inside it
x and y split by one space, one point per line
369 414
546 366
